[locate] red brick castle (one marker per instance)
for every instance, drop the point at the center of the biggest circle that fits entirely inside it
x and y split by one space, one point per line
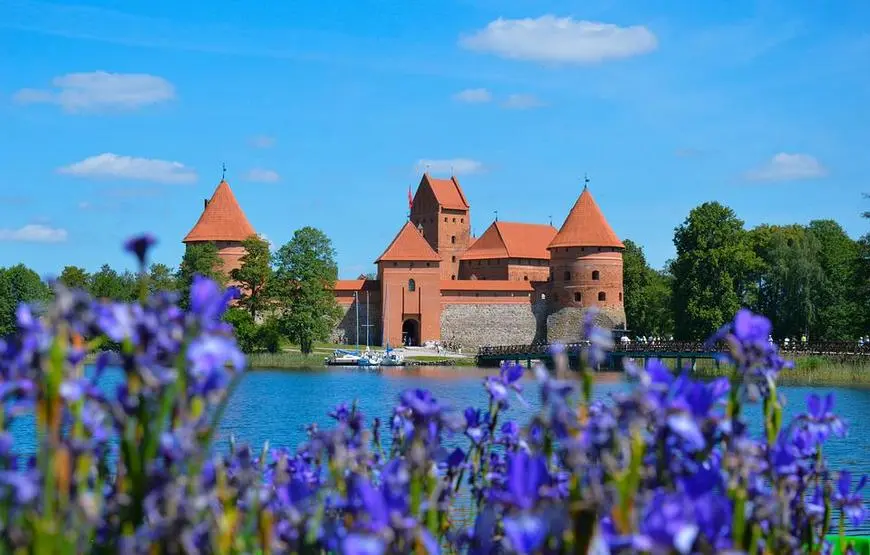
516 283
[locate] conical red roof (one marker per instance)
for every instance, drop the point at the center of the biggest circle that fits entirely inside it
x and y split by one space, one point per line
409 245
585 226
222 219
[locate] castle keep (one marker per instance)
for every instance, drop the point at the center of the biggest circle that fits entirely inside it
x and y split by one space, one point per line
517 283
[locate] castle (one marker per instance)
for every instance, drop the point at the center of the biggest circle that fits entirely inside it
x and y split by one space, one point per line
517 283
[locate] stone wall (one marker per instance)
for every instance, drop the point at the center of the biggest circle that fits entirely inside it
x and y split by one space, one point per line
345 331
565 324
473 325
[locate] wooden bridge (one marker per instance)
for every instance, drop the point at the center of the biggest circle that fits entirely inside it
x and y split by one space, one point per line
679 350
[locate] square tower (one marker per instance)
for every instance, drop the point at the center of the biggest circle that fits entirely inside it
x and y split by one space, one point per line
442 214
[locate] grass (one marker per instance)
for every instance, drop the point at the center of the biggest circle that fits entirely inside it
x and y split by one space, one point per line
434 359
807 371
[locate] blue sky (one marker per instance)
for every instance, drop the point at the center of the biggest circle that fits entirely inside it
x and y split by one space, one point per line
116 116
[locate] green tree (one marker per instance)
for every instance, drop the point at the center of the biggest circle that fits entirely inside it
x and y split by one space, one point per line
74 277
305 274
253 275
161 278
712 270
647 294
837 297
109 284
199 258
19 284
862 281
789 277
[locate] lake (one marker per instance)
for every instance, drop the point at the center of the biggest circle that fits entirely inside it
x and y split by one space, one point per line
275 406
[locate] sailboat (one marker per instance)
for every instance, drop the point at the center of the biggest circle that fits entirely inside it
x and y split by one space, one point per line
392 358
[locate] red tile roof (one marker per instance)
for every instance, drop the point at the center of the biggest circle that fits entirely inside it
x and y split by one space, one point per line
585 226
349 285
409 245
222 219
485 285
447 192
512 240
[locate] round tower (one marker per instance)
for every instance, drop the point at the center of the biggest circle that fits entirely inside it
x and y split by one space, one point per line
585 272
223 223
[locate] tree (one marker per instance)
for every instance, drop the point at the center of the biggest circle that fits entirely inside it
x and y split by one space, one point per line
253 275
19 284
199 258
647 294
837 297
712 270
109 284
74 277
161 278
789 277
862 281
305 274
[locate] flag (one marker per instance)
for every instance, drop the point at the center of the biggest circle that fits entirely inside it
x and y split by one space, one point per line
410 200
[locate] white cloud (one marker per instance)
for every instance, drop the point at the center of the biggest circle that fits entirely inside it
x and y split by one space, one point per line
453 166
473 96
108 165
99 90
522 102
262 141
560 39
34 233
788 167
261 175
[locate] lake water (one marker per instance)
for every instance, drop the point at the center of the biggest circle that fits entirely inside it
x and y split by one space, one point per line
275 406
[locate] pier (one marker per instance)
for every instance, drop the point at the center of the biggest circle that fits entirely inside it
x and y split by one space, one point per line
681 351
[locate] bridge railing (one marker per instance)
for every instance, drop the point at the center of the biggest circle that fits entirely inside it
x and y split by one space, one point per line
650 349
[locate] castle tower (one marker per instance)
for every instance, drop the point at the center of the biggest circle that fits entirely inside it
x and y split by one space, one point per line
440 207
223 223
585 271
410 277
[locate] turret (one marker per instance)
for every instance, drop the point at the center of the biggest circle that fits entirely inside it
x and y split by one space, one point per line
585 271
223 223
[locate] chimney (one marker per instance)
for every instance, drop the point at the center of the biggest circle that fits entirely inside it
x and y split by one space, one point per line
204 203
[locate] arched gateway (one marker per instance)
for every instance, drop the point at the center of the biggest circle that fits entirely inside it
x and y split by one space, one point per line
410 332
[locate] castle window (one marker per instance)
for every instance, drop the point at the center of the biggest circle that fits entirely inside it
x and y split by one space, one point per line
602 296
427 264
595 275
453 239
620 296
578 297
395 264
462 220
454 220
412 285
453 276
452 259
567 276
445 219
525 278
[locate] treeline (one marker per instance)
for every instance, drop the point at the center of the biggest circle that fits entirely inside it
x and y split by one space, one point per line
811 280
285 295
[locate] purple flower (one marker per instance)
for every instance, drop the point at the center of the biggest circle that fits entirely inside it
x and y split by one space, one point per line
819 419
358 544
139 245
526 533
209 302
850 502
600 340
422 403
526 477
474 425
508 378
